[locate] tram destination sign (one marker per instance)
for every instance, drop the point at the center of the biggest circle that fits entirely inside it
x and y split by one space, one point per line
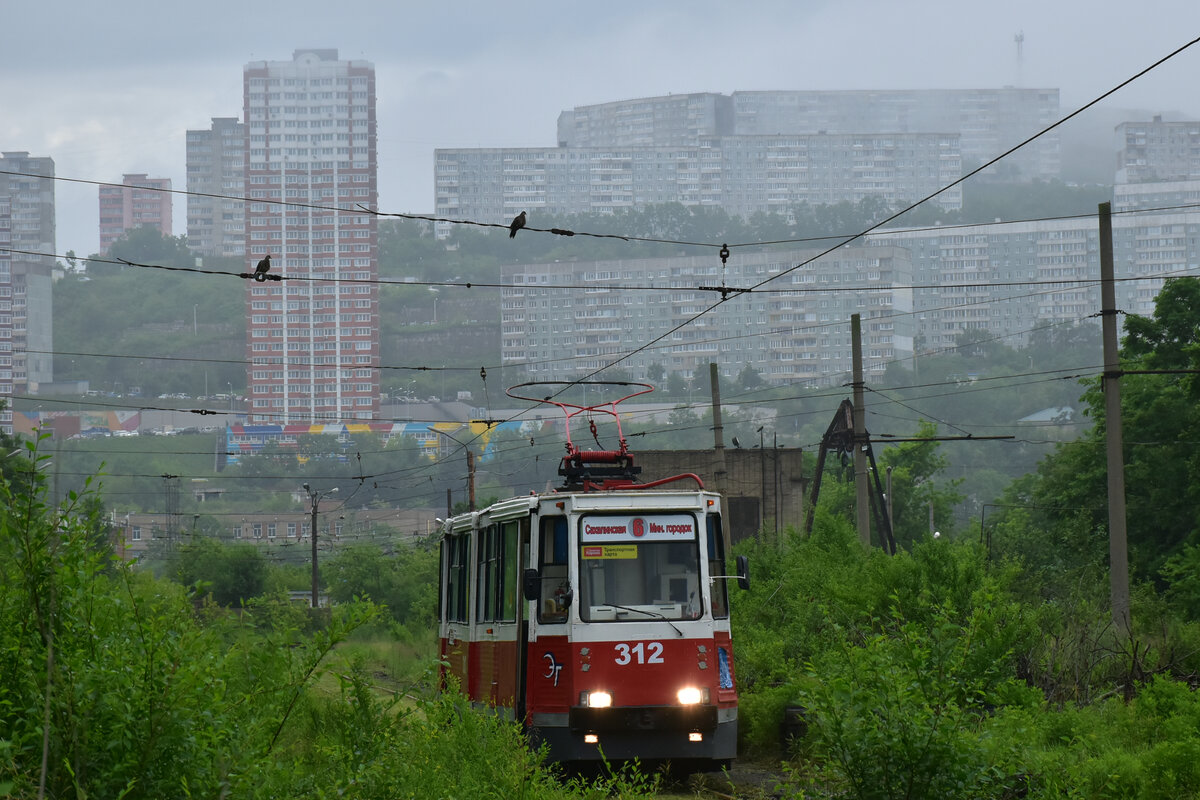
596 529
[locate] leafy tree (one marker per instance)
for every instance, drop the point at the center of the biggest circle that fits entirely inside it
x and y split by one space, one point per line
14 465
403 581
915 468
144 244
230 574
1160 417
750 378
1171 338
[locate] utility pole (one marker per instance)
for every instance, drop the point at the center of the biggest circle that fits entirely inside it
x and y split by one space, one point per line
470 473
315 498
762 481
722 473
470 480
890 505
861 488
1118 552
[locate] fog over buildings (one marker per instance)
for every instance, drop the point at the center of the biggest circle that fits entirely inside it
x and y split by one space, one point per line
124 82
483 114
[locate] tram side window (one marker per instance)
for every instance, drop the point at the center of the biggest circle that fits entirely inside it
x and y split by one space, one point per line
456 578
716 566
496 578
510 533
488 574
552 566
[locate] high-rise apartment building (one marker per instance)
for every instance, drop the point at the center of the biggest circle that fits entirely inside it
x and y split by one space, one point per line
1158 151
27 255
6 304
310 165
139 200
216 182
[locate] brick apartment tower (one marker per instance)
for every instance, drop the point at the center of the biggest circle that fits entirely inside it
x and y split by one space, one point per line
139 200
312 339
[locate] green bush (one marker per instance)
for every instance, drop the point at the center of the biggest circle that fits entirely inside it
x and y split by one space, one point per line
903 715
147 690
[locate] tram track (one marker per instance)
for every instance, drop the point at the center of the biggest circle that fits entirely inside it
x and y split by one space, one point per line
742 781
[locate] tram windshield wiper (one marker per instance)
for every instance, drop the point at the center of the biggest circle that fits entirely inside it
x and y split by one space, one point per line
648 613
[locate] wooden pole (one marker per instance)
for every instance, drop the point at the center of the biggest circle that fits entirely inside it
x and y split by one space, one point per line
470 480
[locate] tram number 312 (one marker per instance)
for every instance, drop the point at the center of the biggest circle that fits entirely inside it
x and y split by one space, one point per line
650 653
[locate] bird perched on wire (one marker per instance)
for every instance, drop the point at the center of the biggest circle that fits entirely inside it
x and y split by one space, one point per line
260 272
517 223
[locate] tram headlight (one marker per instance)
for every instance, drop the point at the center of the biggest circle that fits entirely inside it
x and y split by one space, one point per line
690 696
599 699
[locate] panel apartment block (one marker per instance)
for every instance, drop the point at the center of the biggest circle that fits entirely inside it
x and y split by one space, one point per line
796 329
742 174
216 180
1009 279
988 121
672 120
1158 151
139 200
310 162
777 173
1151 247
27 327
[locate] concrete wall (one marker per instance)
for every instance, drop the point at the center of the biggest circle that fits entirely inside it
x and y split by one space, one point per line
765 491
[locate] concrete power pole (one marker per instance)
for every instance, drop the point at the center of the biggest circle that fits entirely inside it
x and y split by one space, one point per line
1118 553
861 486
722 473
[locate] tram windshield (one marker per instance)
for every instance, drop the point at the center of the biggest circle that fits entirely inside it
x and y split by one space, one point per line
639 568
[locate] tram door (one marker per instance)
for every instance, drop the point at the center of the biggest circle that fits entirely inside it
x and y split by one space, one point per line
497 673
455 608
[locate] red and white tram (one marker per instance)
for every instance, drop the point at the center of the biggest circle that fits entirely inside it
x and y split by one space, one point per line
597 614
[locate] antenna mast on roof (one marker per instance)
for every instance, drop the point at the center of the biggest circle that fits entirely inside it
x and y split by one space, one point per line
1019 38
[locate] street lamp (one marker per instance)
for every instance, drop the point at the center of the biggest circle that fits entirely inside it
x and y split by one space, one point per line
230 385
435 291
315 497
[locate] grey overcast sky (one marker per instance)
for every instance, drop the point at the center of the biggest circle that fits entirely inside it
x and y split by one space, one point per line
110 88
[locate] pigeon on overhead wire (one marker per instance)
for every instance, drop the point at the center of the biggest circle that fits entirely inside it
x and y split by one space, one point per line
260 272
517 223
